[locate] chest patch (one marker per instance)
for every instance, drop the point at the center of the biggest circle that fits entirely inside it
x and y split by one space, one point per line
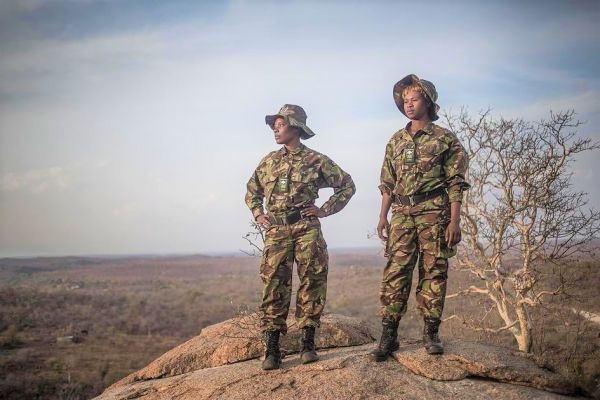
283 184
409 154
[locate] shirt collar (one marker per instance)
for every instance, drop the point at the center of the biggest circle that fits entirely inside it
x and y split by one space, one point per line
283 151
428 129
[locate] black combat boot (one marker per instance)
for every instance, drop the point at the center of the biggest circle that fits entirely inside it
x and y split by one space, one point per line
308 353
430 336
389 340
272 353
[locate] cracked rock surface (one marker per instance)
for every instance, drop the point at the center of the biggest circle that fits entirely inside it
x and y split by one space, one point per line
239 339
466 371
463 359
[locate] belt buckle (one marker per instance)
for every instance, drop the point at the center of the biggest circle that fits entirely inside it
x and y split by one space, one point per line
294 216
411 200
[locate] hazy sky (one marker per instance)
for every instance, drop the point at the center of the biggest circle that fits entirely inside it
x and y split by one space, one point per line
133 126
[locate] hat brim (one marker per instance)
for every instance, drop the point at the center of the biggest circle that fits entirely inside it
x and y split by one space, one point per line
307 133
403 84
270 119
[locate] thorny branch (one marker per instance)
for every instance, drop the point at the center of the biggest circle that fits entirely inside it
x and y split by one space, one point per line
255 239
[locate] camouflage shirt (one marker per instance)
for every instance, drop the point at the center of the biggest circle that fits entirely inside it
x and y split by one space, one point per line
433 158
292 179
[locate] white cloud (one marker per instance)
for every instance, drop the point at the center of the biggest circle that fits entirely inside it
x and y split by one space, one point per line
584 103
35 181
161 126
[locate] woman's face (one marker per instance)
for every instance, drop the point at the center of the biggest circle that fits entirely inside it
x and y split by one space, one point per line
284 133
416 106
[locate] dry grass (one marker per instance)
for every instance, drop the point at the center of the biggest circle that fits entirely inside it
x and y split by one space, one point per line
126 312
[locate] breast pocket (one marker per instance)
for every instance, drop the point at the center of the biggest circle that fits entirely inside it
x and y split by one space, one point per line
405 156
431 158
268 182
404 160
304 184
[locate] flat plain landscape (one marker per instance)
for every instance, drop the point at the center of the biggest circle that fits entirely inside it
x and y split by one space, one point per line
71 326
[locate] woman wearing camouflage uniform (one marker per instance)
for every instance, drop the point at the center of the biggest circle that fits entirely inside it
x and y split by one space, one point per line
289 179
422 180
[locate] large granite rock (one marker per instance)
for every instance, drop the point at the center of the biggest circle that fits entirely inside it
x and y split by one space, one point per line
239 339
464 359
222 363
342 373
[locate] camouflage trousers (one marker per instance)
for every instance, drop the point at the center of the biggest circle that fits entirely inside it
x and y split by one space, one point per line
416 237
302 243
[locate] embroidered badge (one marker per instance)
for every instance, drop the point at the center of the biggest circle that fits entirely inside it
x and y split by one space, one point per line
409 153
282 184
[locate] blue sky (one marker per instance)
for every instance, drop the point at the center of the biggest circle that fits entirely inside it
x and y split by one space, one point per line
133 126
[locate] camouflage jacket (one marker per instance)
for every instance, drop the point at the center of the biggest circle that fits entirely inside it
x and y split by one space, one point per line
433 158
292 179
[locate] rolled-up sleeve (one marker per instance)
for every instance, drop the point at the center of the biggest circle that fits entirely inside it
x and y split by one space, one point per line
456 164
255 194
388 173
342 184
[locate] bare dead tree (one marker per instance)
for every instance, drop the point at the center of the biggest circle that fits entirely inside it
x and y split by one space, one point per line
521 214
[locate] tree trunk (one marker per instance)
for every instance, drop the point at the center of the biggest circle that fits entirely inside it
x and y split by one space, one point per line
524 338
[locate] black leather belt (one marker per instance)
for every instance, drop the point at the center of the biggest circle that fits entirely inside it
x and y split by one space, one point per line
285 218
419 197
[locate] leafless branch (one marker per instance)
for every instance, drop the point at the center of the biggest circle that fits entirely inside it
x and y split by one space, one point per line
521 214
471 289
255 239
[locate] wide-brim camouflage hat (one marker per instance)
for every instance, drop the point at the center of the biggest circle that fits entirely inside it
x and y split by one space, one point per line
428 89
293 115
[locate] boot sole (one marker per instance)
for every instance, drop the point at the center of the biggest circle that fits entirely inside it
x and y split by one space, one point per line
271 368
308 357
380 358
434 351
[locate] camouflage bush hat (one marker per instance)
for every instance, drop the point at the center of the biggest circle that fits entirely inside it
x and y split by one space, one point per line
293 115
428 89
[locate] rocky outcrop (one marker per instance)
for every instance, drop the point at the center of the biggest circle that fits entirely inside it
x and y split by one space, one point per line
470 359
239 339
198 369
